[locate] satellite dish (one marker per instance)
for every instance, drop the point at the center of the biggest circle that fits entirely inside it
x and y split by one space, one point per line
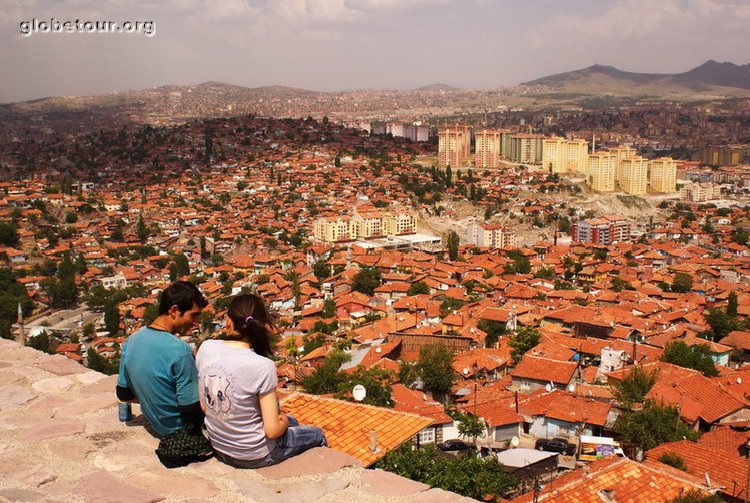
466 371
359 392
739 380
548 387
572 387
515 441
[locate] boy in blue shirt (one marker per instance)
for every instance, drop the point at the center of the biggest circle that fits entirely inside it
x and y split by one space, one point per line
157 368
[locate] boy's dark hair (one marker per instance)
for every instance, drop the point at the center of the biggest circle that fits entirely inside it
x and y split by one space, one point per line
182 294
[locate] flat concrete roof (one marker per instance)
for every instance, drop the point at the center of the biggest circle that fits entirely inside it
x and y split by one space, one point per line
521 456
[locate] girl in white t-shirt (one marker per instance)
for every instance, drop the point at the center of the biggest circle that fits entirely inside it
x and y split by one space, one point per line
237 389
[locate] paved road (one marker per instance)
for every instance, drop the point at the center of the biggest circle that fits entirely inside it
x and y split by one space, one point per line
65 319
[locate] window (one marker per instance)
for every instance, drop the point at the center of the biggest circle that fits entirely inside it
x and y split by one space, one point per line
427 436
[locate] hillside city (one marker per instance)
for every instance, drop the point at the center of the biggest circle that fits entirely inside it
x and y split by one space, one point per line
563 295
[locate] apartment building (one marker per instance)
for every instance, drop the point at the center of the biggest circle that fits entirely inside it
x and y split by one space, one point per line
526 148
399 223
699 192
601 171
662 174
622 152
633 178
335 229
561 156
487 148
489 235
454 146
364 224
604 230
369 224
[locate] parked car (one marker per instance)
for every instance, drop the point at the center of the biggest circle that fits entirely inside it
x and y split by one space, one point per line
559 445
455 445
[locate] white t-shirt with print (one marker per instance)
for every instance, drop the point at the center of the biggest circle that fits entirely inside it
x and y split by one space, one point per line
230 381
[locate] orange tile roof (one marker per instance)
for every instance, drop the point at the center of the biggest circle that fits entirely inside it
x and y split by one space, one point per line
727 470
631 482
544 369
348 425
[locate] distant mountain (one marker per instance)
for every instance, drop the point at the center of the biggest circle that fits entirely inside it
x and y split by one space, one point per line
710 77
437 87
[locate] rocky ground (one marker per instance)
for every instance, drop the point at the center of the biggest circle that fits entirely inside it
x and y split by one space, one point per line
61 442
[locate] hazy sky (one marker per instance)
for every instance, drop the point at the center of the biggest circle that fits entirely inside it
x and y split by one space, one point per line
331 45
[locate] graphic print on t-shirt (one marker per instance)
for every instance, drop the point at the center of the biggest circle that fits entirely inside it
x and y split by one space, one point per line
215 393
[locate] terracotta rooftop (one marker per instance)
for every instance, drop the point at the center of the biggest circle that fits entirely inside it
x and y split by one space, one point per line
349 426
62 442
628 481
724 469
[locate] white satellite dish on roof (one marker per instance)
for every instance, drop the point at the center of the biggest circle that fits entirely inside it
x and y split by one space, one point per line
572 387
466 371
359 392
515 441
548 387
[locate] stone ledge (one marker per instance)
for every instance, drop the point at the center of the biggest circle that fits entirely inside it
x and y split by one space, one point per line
61 442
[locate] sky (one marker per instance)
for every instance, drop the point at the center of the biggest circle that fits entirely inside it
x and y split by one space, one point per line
339 45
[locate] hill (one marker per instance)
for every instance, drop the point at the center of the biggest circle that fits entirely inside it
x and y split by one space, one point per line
710 78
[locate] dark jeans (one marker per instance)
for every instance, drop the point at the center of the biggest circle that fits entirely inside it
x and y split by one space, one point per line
296 440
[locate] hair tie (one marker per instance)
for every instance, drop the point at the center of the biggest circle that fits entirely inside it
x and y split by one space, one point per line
249 318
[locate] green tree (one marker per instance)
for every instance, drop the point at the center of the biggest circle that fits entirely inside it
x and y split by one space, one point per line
524 339
8 234
673 460
682 283
469 425
329 308
652 425
721 324
41 342
452 241
12 294
321 270
181 266
327 378
732 304
740 236
141 230
635 386
479 478
494 329
150 313
89 330
434 367
696 357
376 381
418 288
367 280
696 496
112 318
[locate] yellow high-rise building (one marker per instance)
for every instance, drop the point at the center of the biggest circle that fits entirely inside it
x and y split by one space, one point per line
602 171
633 175
622 152
662 174
487 147
399 222
454 146
335 229
562 156
577 156
553 154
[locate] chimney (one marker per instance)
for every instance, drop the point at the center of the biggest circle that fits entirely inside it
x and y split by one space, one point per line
607 495
374 441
